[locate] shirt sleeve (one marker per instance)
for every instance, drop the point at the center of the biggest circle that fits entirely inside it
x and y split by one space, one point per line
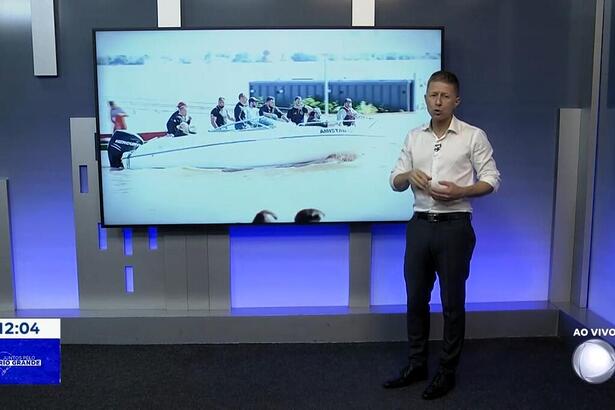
403 163
483 162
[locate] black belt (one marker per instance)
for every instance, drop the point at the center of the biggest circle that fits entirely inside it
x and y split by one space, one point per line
443 216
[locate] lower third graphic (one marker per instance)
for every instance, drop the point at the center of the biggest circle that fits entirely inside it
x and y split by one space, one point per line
8 361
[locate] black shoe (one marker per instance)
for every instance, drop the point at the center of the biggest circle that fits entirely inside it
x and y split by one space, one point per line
408 375
441 384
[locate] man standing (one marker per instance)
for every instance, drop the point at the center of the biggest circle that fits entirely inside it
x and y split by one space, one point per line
445 162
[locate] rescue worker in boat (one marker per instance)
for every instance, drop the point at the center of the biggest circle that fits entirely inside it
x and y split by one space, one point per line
298 111
219 116
271 112
314 119
346 114
252 114
178 124
240 112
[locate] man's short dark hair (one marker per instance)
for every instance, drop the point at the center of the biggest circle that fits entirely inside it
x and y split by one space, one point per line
270 98
241 95
444 76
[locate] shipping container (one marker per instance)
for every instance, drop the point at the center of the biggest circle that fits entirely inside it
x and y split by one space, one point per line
386 95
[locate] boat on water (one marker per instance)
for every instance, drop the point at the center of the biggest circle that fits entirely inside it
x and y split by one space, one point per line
246 145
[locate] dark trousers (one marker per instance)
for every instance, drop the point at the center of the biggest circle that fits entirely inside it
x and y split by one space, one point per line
444 247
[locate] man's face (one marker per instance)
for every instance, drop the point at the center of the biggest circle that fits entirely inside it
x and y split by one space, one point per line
441 100
348 104
220 103
183 110
252 104
271 103
243 99
298 102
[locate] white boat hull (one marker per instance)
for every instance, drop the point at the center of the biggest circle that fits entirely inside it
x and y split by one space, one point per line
254 148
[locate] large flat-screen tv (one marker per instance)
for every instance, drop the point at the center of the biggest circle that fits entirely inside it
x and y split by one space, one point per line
233 126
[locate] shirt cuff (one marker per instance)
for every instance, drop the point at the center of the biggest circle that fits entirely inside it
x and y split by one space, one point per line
392 178
493 181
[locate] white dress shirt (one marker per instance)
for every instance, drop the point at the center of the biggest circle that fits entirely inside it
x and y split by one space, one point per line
462 155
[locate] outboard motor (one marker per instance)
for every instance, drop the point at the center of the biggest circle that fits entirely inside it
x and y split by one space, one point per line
121 142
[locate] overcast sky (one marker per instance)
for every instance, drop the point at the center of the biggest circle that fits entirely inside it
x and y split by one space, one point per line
197 43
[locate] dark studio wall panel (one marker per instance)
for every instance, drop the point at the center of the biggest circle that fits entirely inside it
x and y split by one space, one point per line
266 13
518 62
35 153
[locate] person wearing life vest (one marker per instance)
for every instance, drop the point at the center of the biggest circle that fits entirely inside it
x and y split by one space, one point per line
117 116
346 114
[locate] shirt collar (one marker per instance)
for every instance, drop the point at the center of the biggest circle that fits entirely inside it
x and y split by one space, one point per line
454 126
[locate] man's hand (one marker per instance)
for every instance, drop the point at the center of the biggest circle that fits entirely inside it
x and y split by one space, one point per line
449 192
419 179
